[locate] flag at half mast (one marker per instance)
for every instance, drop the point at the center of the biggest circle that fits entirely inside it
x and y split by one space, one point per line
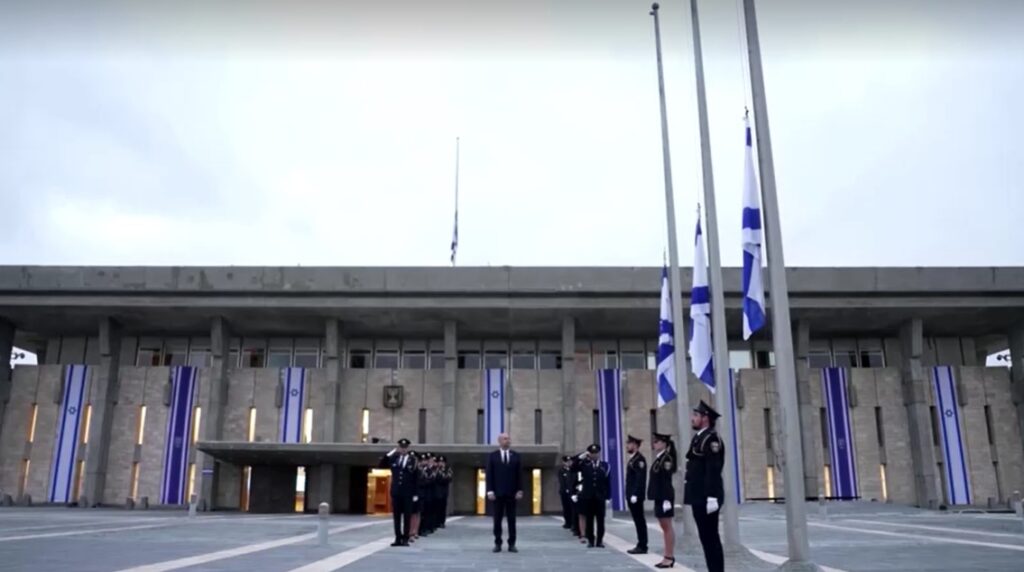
753 288
701 362
666 369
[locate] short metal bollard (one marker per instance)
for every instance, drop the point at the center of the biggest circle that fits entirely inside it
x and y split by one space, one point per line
1016 505
192 502
822 507
321 523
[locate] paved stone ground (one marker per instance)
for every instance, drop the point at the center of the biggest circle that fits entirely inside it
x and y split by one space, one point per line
852 537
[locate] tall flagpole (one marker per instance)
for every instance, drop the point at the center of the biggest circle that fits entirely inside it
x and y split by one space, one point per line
719 340
782 335
682 373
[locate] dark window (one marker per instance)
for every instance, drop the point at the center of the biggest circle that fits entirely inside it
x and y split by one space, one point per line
423 426
879 427
764 359
824 428
436 360
654 420
253 357
538 427
469 360
597 426
611 359
479 425
279 358
524 360
872 358
988 425
148 357
414 359
495 360
935 426
767 429
306 358
550 360
633 360
820 359
845 358
386 359
359 359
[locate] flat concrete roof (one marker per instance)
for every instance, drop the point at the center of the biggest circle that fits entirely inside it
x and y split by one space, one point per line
363 454
502 302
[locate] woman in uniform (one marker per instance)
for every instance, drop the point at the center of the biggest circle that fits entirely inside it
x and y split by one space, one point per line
659 490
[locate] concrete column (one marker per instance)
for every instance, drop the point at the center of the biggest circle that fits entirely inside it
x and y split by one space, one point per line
213 413
915 387
331 422
105 379
801 351
569 384
1016 337
6 348
451 370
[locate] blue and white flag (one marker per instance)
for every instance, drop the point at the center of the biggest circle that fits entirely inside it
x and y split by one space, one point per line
954 460
840 437
455 236
69 426
609 406
701 361
753 287
179 433
666 368
737 467
494 404
294 381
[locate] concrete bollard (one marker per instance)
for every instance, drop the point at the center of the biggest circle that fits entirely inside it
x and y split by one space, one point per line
822 507
143 503
26 500
129 503
192 501
1016 505
321 523
6 500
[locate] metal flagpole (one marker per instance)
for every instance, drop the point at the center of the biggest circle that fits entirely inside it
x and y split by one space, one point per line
682 373
782 336
719 341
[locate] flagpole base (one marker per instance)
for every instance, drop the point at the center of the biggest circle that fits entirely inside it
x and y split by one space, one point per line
799 566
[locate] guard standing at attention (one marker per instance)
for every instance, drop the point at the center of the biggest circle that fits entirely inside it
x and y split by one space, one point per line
444 482
427 478
636 492
403 489
703 490
595 493
661 491
565 490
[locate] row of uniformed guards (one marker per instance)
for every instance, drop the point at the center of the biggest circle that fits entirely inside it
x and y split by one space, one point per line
416 487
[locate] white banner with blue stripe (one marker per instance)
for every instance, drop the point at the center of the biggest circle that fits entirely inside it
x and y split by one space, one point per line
69 426
753 287
843 461
609 407
737 466
293 379
494 404
954 460
666 365
701 356
179 434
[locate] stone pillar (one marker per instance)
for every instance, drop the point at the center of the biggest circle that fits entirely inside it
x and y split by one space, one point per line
213 413
919 423
451 371
6 348
808 412
1017 371
105 390
569 384
331 421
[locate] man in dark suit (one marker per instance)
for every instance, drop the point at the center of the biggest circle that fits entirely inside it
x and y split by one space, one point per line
596 492
636 492
504 489
403 488
566 482
703 486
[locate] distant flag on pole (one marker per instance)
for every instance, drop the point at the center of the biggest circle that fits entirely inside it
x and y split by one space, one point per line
666 371
455 229
455 236
753 289
701 362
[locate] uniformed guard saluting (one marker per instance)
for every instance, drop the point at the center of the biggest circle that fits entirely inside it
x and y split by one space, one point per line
636 492
703 490
403 488
595 493
660 490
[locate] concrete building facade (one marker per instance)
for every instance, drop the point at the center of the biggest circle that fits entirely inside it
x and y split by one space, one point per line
360 333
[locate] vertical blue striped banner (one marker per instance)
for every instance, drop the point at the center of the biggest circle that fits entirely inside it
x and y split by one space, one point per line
69 424
737 467
840 437
294 382
494 404
958 482
609 404
179 435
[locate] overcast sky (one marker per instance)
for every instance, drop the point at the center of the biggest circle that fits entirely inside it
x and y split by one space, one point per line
324 133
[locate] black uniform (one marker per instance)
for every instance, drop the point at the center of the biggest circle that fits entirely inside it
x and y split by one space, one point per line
425 487
403 488
659 486
575 486
636 486
444 481
566 480
596 489
704 463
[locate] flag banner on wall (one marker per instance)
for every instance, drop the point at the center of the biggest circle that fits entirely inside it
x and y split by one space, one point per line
737 468
69 426
840 437
179 433
609 406
294 382
954 460
494 404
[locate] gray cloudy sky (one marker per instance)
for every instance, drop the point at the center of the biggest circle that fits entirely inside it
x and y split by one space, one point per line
323 133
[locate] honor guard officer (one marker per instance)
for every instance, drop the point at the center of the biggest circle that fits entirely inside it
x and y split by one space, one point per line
566 481
636 492
703 490
444 481
403 488
660 491
425 485
596 491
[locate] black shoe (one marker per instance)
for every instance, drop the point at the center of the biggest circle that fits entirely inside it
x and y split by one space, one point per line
496 549
566 526
442 526
600 545
671 562
513 549
396 543
637 550
590 544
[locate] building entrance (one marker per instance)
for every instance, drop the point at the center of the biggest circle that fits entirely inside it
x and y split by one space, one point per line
378 491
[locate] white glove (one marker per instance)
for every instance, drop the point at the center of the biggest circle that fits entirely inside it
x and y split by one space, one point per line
415 498
575 498
632 499
490 495
712 505
392 452
666 506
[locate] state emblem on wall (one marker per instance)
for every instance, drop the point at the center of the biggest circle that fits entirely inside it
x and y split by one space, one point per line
393 395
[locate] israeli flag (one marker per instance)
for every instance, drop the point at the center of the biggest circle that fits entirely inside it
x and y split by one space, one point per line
494 404
69 427
753 286
840 436
179 433
701 362
666 372
294 381
609 402
954 459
